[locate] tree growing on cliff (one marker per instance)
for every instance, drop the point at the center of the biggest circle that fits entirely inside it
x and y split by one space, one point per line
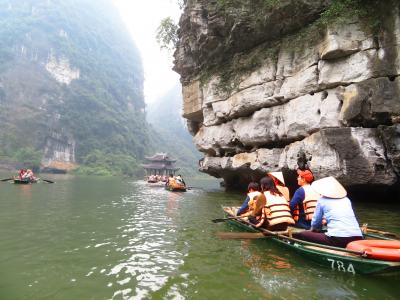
167 34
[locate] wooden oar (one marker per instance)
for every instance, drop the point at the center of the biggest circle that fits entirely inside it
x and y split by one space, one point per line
383 233
240 235
365 229
226 219
48 181
7 179
287 238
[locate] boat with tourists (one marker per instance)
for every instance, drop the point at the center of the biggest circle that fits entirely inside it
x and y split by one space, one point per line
353 260
175 185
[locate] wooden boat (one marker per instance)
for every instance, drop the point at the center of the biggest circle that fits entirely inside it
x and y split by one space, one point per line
175 186
337 259
24 181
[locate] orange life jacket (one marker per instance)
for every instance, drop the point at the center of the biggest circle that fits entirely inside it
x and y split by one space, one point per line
256 203
309 203
277 209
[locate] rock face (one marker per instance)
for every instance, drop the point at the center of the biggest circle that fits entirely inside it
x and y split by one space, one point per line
71 83
310 90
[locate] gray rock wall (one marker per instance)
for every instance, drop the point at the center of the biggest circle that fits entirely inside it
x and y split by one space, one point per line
330 96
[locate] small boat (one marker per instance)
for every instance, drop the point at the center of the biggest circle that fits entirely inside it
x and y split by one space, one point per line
335 258
24 181
175 186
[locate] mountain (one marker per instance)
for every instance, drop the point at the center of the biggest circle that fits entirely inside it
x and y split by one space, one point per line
172 136
71 87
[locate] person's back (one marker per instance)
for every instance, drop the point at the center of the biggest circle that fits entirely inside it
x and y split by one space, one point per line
276 213
335 207
277 210
253 189
304 200
340 218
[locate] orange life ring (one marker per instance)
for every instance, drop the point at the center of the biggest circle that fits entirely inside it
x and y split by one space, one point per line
378 249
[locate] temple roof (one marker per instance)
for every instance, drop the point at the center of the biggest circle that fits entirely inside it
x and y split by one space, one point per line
160 157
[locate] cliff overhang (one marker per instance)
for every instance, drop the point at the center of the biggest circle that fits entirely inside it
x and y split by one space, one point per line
274 85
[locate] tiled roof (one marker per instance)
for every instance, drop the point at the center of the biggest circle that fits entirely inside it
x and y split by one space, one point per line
160 157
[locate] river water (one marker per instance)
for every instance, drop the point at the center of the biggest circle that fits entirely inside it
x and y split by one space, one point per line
113 238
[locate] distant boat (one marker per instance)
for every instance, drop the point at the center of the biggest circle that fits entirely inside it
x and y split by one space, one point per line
175 186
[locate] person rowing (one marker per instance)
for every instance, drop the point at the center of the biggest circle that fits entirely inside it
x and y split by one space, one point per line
253 189
335 207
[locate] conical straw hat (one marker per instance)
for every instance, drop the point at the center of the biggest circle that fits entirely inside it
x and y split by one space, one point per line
329 187
278 175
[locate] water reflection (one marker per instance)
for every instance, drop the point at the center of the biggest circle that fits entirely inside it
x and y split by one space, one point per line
150 256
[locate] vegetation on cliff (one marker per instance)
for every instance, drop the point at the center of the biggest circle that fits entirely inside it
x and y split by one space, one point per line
233 67
102 108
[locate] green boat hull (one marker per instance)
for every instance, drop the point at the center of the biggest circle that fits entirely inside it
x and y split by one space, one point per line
19 181
352 264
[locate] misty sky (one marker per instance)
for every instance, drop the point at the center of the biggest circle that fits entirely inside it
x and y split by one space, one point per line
142 19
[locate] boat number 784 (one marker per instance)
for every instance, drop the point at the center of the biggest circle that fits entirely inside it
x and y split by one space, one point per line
340 266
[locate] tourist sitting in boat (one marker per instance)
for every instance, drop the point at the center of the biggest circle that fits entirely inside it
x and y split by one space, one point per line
256 204
276 213
170 178
304 200
180 179
28 175
335 207
253 189
279 181
21 173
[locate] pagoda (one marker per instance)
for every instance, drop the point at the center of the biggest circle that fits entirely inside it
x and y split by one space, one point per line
160 164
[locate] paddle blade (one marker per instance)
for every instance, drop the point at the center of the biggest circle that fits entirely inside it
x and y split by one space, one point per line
48 181
239 235
218 220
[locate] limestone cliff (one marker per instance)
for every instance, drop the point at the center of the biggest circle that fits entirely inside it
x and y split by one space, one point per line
273 85
71 85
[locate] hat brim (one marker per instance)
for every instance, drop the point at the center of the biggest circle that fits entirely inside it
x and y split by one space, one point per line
329 187
278 175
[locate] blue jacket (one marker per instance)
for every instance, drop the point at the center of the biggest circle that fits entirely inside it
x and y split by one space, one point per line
339 214
297 201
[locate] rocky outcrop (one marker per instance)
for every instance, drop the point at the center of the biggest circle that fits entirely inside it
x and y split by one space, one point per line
61 70
59 153
325 96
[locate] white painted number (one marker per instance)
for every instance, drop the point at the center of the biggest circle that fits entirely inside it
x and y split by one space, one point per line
340 266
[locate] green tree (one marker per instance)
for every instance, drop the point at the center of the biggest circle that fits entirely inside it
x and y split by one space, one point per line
29 157
167 34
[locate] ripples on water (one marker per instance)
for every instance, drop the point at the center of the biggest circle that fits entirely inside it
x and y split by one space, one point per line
146 240
97 239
